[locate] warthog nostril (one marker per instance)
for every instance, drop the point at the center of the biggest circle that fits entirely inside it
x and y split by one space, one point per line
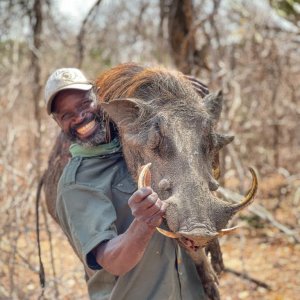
164 185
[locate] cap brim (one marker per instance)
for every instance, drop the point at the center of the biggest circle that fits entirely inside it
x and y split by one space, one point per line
73 86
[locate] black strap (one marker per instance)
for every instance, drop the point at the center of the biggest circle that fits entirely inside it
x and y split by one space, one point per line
37 203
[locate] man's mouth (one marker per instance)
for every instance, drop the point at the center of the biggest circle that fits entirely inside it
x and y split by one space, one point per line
87 129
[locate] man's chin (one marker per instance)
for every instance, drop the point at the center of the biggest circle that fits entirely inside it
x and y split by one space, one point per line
96 139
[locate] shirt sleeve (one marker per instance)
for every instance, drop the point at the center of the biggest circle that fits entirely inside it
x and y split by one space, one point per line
87 217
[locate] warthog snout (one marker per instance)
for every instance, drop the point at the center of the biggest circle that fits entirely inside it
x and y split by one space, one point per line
199 223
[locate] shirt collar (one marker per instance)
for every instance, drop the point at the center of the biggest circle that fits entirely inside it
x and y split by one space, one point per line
103 149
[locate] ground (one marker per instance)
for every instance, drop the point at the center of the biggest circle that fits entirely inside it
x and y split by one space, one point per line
271 260
262 251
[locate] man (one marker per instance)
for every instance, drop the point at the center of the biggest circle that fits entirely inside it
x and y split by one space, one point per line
110 224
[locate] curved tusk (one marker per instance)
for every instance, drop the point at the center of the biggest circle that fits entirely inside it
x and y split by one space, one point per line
249 196
144 176
227 231
169 234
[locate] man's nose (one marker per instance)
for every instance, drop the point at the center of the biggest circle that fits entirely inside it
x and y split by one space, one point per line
79 116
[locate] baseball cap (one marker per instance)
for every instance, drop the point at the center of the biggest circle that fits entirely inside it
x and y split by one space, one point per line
64 79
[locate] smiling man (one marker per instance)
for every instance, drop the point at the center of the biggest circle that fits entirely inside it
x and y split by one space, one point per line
71 100
109 223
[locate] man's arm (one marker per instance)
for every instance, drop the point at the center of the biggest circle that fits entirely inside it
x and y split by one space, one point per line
122 253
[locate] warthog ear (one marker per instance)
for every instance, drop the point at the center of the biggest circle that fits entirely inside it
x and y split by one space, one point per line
213 103
122 111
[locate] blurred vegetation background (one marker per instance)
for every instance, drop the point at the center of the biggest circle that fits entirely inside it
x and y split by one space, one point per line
249 49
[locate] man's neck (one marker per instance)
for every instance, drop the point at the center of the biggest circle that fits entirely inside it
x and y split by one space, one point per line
99 150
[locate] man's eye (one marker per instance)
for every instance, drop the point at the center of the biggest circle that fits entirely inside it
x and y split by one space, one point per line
65 116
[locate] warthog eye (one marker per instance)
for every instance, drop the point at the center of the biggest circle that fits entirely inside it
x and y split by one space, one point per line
158 141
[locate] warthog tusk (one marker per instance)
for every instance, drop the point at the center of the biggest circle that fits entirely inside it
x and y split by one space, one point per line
169 234
145 180
249 196
227 231
144 176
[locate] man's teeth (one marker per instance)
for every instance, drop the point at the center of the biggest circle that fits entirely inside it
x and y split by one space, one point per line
84 129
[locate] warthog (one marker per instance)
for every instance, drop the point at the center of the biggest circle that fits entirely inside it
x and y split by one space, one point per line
162 120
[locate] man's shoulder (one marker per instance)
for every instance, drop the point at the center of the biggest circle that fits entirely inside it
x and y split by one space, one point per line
95 172
69 172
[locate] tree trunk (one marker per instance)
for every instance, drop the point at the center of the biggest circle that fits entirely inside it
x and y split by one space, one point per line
36 21
181 34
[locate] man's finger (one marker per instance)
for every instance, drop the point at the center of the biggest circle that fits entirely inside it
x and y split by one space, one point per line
155 221
140 195
155 208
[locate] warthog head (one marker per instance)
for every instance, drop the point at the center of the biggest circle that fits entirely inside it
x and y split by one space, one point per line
163 121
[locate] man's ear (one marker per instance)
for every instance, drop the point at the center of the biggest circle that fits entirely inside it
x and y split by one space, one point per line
122 111
53 117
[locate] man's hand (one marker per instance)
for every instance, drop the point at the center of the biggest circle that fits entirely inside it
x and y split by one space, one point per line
146 207
122 253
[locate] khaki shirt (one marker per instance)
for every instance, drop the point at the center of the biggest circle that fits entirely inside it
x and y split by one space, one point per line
92 208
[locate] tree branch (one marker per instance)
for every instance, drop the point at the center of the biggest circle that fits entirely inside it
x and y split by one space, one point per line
81 34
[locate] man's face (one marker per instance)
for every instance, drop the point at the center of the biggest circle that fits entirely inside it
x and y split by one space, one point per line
75 112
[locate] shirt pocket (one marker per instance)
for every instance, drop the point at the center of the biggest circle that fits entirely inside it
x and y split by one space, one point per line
122 191
125 185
